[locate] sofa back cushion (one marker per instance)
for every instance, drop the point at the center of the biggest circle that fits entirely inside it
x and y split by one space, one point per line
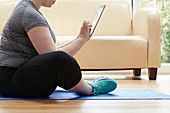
66 16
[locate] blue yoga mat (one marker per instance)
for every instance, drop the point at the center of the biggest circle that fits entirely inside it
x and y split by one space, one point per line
121 94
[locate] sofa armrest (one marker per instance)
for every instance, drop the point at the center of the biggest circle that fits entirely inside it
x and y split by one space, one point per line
146 23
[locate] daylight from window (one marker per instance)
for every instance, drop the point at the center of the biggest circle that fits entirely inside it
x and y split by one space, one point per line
164 8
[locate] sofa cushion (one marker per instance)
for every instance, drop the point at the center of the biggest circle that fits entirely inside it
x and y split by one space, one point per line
102 52
66 17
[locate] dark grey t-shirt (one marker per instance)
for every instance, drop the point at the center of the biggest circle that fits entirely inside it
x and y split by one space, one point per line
15 45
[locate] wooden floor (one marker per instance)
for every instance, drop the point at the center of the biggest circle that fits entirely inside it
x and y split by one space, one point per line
162 84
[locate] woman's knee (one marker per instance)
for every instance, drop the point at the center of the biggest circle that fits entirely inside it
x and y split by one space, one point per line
69 71
64 59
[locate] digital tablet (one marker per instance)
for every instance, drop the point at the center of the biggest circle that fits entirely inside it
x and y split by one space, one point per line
96 19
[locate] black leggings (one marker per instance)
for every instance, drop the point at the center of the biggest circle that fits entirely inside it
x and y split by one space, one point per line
40 76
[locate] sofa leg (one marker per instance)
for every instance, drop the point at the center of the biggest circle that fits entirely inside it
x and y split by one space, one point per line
152 73
137 72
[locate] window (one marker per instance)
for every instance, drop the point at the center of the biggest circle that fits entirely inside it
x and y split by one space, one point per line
164 8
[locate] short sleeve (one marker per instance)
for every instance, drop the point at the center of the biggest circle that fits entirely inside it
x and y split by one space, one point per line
32 18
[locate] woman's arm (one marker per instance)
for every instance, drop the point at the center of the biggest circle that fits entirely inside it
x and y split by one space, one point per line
43 43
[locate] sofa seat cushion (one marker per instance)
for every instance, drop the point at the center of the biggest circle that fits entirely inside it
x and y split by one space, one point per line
106 52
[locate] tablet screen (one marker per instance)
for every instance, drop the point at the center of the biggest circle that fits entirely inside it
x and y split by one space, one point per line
97 17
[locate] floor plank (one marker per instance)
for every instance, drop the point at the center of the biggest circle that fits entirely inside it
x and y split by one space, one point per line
99 106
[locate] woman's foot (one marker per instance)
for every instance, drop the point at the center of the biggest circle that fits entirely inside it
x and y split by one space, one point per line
102 85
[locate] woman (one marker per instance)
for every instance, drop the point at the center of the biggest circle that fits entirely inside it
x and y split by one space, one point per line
32 65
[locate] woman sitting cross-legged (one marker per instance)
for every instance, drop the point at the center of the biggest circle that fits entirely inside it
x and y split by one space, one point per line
32 65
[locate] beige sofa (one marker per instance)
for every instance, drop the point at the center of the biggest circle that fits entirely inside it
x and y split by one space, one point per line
121 41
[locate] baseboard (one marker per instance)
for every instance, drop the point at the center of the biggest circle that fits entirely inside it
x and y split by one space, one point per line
163 70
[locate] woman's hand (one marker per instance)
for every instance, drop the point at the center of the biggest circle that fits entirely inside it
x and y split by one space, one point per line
85 31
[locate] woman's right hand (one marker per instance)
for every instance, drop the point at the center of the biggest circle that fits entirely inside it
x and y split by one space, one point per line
85 31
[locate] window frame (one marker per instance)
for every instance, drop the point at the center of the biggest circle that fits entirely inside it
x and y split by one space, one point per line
136 5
